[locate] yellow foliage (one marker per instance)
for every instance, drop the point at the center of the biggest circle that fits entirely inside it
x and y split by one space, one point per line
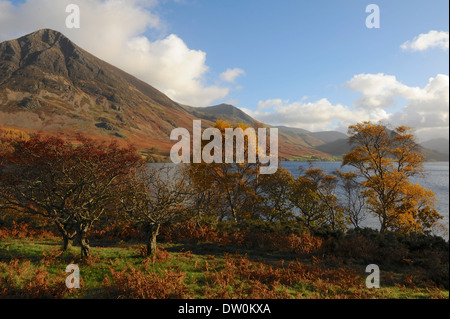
7 135
386 160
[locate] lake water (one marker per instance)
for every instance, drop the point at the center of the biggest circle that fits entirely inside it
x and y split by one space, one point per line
436 179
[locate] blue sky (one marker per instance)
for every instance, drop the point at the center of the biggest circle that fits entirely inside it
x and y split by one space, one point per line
290 49
309 64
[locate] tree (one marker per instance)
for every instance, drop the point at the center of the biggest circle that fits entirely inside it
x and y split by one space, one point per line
233 187
275 196
71 184
326 190
313 193
155 196
306 199
352 200
386 160
7 136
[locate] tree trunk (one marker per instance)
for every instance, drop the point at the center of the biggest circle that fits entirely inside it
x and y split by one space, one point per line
66 242
152 233
65 234
85 248
84 244
383 224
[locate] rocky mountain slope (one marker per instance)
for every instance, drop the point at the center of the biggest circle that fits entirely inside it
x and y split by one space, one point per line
48 83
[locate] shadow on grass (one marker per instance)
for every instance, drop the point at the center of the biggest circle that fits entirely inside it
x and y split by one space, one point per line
254 254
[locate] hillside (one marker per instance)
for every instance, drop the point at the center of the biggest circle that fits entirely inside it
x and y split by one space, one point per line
294 142
48 83
224 112
440 145
343 146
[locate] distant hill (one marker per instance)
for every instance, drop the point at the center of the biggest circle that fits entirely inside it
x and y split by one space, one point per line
440 145
337 148
224 112
294 142
434 156
342 146
316 138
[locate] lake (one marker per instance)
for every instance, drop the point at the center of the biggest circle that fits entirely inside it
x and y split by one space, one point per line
436 179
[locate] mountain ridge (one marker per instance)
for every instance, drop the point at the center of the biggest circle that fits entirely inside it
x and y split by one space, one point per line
49 83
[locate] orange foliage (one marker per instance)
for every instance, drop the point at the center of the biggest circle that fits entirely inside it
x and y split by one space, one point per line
36 283
304 243
24 230
386 160
133 284
245 279
7 135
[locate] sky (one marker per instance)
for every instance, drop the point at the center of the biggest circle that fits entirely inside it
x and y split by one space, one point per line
315 65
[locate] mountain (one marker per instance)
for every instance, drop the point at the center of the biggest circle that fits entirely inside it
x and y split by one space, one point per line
312 139
48 83
440 145
293 142
338 147
224 112
343 146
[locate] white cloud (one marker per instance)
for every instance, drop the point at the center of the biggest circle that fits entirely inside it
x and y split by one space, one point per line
114 31
262 105
231 75
425 109
428 111
379 90
424 41
314 116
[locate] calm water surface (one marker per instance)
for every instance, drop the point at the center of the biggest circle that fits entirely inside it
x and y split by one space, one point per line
436 179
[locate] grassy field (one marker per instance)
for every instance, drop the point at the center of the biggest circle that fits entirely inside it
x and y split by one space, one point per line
35 268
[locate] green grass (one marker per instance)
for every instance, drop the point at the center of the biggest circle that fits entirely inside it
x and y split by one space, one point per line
204 260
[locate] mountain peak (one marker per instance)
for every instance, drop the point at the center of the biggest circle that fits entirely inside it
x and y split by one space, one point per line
49 83
46 49
47 36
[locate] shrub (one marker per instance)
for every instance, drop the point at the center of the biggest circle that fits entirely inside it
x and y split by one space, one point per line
26 282
134 284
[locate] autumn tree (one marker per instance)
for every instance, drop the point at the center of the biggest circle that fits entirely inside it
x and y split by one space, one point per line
306 200
8 136
386 160
351 198
71 184
233 186
275 196
326 187
314 195
154 196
